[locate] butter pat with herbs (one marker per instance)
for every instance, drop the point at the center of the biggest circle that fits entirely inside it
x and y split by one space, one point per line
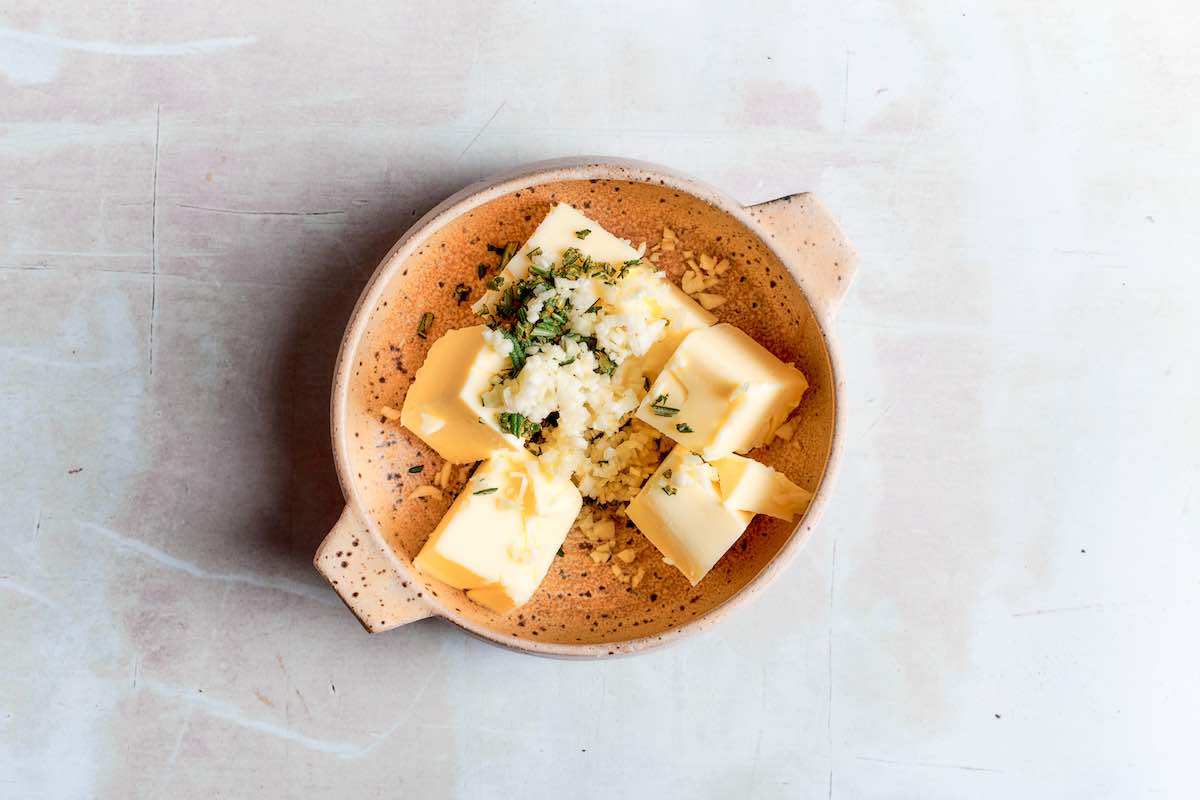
681 511
683 315
563 228
502 533
748 485
721 392
443 405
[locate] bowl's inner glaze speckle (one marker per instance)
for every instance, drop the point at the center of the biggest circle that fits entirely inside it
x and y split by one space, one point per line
580 602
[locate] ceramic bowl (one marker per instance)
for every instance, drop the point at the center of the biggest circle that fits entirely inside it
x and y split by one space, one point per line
791 267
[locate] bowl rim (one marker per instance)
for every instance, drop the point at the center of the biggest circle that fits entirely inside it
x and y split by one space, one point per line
500 185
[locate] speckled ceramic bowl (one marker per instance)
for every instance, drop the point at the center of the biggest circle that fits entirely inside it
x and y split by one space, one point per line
790 269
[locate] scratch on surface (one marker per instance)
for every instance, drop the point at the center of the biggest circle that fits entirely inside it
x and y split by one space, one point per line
168 769
846 90
154 233
186 48
762 693
291 587
829 666
304 703
882 414
1065 609
486 125
929 764
254 213
902 155
233 714
32 594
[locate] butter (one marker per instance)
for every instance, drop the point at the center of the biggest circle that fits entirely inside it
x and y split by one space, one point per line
747 485
443 404
683 315
557 232
721 392
681 511
500 536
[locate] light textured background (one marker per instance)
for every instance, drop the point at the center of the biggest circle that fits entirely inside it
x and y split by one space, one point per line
1002 599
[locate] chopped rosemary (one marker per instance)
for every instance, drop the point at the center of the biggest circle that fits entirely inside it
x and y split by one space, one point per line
461 292
683 427
570 360
510 250
560 552
481 270
537 251
517 356
518 425
491 490
594 308
424 325
606 366
660 407
583 234
546 329
495 283
416 469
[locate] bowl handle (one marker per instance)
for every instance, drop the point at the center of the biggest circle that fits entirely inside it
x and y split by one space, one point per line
364 576
811 243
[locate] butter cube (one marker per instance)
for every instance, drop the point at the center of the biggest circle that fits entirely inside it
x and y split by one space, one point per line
721 392
443 404
500 536
681 512
747 485
683 315
557 232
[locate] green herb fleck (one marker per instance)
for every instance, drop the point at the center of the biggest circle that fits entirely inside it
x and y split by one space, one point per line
461 292
518 425
683 427
492 490
517 356
660 407
583 234
594 308
416 469
424 325
481 270
560 552
570 360
667 474
669 490
495 283
510 250
537 251
546 329
605 365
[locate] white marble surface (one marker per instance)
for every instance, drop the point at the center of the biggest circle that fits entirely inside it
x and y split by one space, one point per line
1002 599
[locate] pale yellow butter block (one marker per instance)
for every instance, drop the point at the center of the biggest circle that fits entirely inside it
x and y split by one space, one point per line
681 512
556 233
683 315
747 485
500 536
443 404
721 392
